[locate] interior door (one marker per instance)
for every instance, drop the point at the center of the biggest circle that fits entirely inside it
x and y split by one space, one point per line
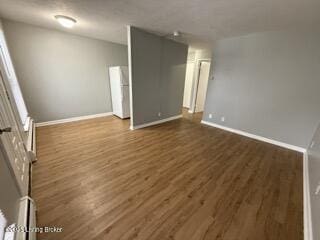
202 86
12 142
188 84
5 59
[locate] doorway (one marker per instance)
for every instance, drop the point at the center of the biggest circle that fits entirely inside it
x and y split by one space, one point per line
202 84
196 83
188 84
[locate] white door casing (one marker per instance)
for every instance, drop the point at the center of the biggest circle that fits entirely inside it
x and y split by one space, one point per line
202 86
188 84
11 78
12 142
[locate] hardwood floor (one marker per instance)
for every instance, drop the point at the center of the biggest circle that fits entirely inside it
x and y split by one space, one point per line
179 180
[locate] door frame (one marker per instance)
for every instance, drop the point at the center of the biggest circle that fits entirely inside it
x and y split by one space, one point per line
20 133
195 84
11 81
7 86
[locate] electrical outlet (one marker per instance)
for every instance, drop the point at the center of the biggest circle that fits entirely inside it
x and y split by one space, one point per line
159 114
222 119
210 115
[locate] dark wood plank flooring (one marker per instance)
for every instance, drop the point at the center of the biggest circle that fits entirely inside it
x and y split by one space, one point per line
179 180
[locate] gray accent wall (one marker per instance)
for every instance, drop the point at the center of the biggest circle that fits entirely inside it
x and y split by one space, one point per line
158 67
314 180
267 84
62 75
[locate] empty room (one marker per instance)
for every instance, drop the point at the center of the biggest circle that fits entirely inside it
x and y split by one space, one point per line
146 120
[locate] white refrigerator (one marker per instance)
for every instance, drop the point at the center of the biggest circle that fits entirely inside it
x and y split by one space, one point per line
119 84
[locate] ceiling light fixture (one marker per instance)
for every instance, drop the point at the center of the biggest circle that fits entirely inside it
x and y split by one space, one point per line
65 21
176 33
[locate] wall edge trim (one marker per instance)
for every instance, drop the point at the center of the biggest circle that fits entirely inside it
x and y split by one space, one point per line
253 136
73 119
307 218
155 122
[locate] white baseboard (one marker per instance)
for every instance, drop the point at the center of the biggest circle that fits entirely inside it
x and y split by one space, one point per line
73 119
307 220
155 122
263 139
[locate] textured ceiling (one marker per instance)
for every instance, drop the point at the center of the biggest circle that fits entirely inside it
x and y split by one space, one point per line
200 21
